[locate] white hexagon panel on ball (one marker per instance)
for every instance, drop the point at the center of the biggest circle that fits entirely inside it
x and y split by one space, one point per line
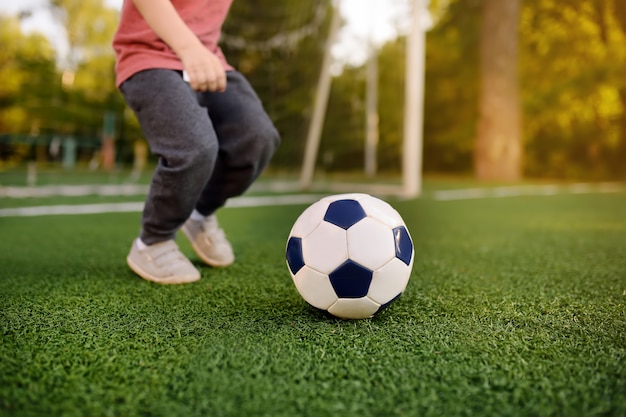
324 249
371 243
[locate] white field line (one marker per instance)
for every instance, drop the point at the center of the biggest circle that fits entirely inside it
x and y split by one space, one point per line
258 201
137 207
528 190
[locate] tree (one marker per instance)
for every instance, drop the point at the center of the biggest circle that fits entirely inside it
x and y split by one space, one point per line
89 79
27 71
619 13
572 60
498 149
451 94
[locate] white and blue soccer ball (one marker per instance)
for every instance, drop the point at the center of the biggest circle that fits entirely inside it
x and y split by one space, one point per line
350 255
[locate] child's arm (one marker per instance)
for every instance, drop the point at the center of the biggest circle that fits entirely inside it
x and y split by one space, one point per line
204 69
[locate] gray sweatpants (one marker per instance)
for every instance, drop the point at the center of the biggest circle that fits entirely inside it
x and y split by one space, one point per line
210 146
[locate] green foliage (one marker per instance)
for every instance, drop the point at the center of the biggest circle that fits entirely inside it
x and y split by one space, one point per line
279 46
574 100
342 140
573 91
90 89
27 70
48 95
344 128
450 105
572 59
90 26
451 89
392 69
516 307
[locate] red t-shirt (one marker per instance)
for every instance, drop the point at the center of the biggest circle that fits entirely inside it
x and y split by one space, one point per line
138 48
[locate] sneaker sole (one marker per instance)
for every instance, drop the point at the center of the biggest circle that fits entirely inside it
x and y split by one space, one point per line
204 258
166 281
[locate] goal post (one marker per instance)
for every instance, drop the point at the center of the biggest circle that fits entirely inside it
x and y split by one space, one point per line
412 142
319 108
414 103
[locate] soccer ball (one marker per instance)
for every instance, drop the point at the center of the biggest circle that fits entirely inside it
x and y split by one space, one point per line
350 255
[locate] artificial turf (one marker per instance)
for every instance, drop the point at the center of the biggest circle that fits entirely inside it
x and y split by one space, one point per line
516 306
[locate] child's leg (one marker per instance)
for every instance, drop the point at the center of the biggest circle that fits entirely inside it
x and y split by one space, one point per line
180 133
247 141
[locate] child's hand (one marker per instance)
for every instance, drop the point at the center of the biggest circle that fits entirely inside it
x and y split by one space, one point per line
204 69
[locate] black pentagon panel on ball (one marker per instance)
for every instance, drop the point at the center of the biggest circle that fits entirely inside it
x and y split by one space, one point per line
351 280
404 245
344 213
295 260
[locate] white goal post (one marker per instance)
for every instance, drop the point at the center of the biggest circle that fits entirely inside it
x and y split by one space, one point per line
411 181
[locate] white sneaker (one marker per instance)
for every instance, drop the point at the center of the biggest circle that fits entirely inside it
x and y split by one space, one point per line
163 263
209 241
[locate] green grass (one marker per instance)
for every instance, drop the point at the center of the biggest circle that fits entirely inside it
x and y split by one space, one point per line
516 306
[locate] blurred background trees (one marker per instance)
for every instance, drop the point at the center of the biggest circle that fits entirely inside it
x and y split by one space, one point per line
565 68
29 78
571 56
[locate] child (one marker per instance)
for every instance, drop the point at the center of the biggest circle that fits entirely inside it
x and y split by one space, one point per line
211 134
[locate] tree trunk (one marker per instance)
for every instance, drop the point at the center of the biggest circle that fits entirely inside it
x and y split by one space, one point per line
498 150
